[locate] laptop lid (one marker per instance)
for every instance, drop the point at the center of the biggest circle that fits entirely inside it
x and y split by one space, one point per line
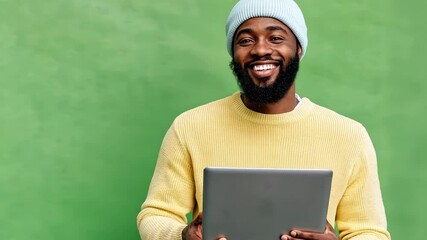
251 203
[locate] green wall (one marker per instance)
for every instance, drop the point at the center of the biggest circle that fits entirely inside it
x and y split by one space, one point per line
89 87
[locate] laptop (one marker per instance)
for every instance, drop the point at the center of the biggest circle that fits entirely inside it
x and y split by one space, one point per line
263 203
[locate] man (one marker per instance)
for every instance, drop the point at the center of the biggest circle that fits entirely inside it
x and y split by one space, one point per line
266 125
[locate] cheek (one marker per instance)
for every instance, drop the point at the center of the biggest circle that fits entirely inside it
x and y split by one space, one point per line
288 51
239 57
242 53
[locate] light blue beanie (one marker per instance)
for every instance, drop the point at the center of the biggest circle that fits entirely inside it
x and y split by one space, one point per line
286 11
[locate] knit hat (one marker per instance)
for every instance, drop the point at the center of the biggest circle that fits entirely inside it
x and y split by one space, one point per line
286 11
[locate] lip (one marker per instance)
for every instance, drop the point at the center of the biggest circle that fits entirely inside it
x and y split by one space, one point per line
252 64
264 77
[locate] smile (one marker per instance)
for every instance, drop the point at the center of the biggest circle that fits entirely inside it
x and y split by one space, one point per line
264 71
263 67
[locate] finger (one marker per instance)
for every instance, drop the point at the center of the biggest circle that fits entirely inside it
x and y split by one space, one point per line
329 226
330 230
199 219
199 231
191 233
221 237
297 234
287 237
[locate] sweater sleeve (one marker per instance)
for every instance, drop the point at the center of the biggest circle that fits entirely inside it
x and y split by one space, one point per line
171 193
360 213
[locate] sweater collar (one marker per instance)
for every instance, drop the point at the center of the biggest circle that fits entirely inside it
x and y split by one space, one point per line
305 106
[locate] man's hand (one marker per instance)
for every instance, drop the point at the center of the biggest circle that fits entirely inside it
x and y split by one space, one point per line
194 230
296 234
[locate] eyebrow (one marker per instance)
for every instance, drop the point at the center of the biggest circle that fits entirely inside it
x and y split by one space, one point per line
244 30
269 28
276 28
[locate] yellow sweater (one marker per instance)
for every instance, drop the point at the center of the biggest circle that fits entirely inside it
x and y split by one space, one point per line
225 133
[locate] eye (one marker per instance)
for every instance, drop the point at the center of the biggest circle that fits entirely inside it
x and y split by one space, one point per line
245 41
277 39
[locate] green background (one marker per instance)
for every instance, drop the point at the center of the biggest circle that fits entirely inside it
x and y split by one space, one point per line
88 89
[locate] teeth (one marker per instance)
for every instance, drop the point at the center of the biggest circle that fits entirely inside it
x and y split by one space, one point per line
263 67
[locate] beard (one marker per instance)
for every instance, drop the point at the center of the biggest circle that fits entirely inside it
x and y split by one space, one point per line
269 94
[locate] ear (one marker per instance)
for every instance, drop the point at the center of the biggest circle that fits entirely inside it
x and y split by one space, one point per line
299 50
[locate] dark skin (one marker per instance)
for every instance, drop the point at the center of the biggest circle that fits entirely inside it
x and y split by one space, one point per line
270 39
295 234
194 230
254 39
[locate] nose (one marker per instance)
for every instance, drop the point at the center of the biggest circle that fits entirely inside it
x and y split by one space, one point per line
261 48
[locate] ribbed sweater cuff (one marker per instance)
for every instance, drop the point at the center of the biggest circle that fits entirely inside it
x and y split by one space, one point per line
157 227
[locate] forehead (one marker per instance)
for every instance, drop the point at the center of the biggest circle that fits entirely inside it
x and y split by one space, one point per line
262 23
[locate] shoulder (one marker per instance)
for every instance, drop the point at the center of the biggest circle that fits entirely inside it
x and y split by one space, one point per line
336 122
203 114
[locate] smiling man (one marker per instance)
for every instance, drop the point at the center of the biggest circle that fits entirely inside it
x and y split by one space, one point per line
265 62
266 125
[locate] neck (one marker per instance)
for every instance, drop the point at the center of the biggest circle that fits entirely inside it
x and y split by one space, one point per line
284 105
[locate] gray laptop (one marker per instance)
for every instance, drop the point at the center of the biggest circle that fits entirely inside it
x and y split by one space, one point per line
254 204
